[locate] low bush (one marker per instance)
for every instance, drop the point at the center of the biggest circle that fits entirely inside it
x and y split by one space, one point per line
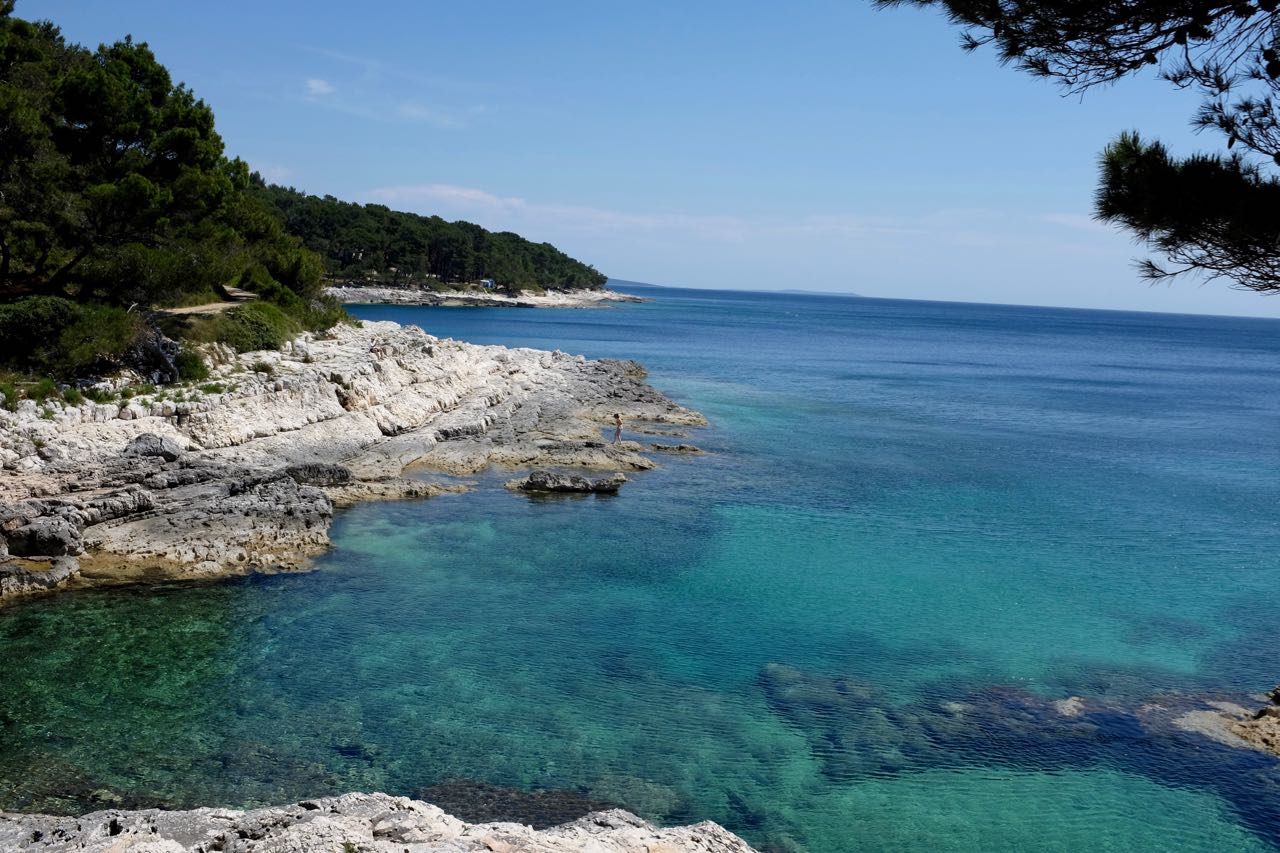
100 395
43 390
255 326
324 313
96 340
131 391
31 328
191 365
51 335
72 396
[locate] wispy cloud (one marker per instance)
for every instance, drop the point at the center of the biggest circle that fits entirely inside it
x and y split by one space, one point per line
967 232
318 88
512 211
375 69
1077 222
413 111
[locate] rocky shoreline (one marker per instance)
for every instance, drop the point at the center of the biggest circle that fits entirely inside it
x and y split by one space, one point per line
370 823
242 472
361 294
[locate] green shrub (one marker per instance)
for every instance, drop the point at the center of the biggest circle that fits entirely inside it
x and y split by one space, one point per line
255 326
190 365
263 367
100 395
48 334
131 391
10 394
182 272
43 390
323 313
97 339
213 388
72 396
31 328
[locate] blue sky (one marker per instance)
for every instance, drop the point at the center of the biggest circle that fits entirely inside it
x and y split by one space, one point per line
810 145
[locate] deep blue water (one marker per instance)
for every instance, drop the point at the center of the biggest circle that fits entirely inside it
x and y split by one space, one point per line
916 523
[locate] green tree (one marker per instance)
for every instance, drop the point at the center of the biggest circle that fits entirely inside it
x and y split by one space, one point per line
1210 214
357 240
32 170
106 158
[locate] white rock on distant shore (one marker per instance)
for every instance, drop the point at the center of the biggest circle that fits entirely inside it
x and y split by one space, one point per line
369 823
385 295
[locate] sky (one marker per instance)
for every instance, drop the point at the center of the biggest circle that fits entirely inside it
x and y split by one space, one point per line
823 146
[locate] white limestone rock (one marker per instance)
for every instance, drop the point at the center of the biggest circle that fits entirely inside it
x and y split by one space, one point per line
370 823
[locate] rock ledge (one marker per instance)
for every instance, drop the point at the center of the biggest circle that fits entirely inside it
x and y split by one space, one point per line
242 473
369 823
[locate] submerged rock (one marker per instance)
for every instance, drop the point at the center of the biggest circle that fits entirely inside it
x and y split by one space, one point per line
481 802
856 732
376 823
549 481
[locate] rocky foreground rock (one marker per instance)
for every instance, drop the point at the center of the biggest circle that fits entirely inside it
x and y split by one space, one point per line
242 472
368 823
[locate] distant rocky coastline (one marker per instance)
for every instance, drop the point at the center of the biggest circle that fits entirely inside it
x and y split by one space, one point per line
243 472
371 823
368 294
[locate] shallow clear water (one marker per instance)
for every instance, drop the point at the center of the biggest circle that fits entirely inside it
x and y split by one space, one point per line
906 504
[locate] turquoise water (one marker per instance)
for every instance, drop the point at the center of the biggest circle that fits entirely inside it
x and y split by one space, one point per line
905 505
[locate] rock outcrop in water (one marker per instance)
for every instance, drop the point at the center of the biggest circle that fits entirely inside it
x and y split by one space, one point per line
371 823
550 481
243 473
1262 727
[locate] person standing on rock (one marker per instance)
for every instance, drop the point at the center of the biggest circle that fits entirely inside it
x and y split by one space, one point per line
617 428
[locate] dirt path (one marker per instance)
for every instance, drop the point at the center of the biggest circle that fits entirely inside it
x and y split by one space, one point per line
238 297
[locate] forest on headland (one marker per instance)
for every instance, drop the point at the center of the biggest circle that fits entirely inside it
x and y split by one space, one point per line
358 241
118 199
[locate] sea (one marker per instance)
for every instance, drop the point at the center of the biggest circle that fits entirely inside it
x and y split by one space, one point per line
916 526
